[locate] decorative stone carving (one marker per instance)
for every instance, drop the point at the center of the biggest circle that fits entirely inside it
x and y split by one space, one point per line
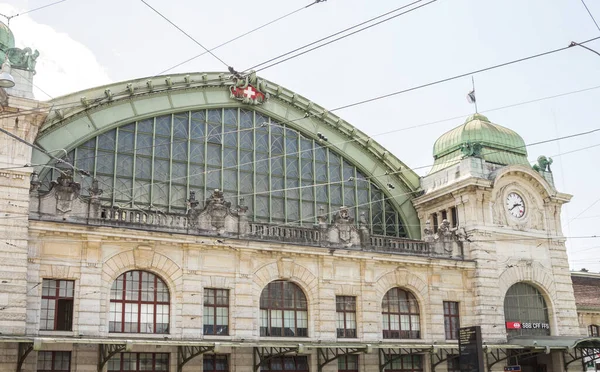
342 230
217 215
248 89
447 240
64 199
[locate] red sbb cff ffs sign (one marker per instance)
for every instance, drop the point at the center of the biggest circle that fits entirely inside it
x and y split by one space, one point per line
527 325
513 325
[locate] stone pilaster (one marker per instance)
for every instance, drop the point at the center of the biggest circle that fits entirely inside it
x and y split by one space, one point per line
14 207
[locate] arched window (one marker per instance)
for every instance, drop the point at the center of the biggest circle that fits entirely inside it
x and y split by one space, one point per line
139 303
400 312
525 311
594 330
283 310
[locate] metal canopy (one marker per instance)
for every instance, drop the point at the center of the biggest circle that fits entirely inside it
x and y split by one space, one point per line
105 352
388 355
24 350
264 354
329 354
187 353
438 356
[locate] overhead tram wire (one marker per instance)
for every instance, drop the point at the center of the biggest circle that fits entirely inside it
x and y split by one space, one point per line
8 18
438 82
374 135
185 33
387 174
241 36
367 179
338 33
591 15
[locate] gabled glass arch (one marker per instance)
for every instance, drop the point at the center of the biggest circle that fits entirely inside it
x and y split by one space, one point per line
282 175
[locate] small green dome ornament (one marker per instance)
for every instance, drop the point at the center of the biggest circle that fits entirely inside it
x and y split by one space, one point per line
7 39
481 138
22 59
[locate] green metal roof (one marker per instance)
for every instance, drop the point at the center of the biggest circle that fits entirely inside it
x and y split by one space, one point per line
497 144
7 39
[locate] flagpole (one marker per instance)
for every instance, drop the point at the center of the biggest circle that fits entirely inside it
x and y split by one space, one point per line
474 101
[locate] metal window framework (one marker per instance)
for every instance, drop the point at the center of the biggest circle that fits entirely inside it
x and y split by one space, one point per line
139 302
214 358
382 207
451 320
265 355
53 358
137 358
346 332
387 356
343 360
56 297
298 295
389 333
212 292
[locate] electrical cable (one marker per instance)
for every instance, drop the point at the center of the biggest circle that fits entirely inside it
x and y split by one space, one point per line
8 18
133 189
590 13
334 34
240 36
185 33
337 39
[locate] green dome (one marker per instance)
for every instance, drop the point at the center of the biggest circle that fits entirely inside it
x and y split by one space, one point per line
479 137
7 39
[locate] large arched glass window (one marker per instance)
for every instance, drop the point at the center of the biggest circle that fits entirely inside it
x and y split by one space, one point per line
139 303
283 176
400 313
525 311
283 310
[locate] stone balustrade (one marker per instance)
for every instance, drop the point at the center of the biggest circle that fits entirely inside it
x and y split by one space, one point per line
217 218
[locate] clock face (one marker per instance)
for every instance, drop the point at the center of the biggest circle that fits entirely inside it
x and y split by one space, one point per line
515 205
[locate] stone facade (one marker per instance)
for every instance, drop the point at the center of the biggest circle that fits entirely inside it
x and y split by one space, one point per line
471 253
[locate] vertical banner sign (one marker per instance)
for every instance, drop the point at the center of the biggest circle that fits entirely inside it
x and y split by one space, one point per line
471 349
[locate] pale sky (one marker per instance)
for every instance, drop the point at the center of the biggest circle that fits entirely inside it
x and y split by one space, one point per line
85 43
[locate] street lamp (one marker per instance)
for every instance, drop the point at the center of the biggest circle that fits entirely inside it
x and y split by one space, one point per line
6 79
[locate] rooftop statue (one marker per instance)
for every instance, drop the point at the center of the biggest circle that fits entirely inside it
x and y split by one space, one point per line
22 59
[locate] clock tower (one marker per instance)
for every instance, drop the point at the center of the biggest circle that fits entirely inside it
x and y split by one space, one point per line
508 213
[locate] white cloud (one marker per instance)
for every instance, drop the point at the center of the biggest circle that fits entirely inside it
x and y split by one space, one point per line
64 65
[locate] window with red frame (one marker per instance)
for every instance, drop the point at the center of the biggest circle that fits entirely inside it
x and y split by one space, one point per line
348 363
216 312
57 305
215 362
404 363
594 330
54 361
283 310
139 303
345 307
129 362
286 363
451 320
401 317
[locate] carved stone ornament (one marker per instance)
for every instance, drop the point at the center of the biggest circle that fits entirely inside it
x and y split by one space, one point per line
217 215
534 219
446 240
64 199
342 229
249 89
